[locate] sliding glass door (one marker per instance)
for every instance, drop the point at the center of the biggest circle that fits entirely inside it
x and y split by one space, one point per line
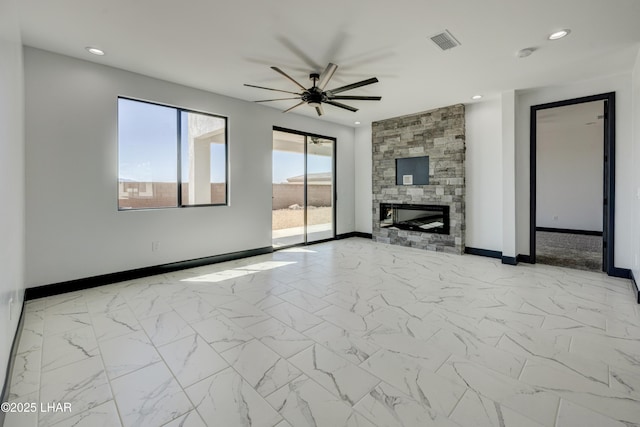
288 201
319 207
303 188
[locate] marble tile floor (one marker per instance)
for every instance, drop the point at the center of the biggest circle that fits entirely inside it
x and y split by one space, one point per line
346 333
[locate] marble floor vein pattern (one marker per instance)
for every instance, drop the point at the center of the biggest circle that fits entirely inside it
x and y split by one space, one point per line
345 333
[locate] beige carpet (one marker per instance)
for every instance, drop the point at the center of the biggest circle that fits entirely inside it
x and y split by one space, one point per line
569 250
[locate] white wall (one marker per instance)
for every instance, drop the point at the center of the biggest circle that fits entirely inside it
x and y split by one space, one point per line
636 167
509 165
621 84
484 175
363 181
11 179
569 170
73 227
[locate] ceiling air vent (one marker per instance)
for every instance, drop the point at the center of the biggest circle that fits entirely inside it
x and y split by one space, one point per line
445 40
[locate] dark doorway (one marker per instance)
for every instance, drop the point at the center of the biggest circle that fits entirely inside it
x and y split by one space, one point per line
584 243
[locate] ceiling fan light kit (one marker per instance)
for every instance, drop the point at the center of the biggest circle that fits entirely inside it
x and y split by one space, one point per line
316 95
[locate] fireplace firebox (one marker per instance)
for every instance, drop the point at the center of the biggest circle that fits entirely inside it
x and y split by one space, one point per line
424 218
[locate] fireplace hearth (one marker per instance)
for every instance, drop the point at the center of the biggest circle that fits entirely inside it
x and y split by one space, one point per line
423 218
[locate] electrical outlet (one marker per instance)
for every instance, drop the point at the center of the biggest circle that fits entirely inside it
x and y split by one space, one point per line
555 217
155 246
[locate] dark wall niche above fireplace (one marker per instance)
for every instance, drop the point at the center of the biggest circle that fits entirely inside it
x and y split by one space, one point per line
438 135
412 171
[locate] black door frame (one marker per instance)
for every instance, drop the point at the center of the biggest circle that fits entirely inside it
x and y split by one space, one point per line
334 192
608 226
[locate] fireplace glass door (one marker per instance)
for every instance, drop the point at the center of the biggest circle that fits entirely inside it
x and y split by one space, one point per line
303 188
423 218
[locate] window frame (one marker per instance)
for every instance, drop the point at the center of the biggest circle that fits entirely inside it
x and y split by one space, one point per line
178 111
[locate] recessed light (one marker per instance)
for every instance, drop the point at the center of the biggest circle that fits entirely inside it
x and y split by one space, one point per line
476 97
356 123
559 34
95 51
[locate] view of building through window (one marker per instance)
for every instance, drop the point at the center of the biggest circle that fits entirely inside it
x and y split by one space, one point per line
203 159
170 157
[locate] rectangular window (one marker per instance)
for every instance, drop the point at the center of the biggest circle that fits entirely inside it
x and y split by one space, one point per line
170 157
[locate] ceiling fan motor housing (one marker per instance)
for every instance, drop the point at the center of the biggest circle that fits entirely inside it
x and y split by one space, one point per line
313 96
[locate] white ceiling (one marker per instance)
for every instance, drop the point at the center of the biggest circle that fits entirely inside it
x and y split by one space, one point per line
219 45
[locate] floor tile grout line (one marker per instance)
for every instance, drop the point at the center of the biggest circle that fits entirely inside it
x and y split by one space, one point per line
68 364
288 357
560 397
507 405
557 417
303 308
138 369
41 371
229 366
329 350
353 407
524 365
339 354
183 388
163 361
467 390
104 367
409 396
570 344
265 398
574 402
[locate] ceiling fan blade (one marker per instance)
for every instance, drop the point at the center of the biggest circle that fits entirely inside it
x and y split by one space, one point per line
352 86
359 98
297 105
326 75
278 70
277 99
319 110
268 88
341 105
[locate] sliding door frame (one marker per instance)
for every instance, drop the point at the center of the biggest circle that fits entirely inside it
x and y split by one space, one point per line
334 192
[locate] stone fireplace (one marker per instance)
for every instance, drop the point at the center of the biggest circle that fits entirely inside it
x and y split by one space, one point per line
411 215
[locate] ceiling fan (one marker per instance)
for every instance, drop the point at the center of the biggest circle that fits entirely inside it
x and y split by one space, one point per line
316 95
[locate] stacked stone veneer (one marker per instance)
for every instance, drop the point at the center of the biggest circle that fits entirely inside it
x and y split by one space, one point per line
440 135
